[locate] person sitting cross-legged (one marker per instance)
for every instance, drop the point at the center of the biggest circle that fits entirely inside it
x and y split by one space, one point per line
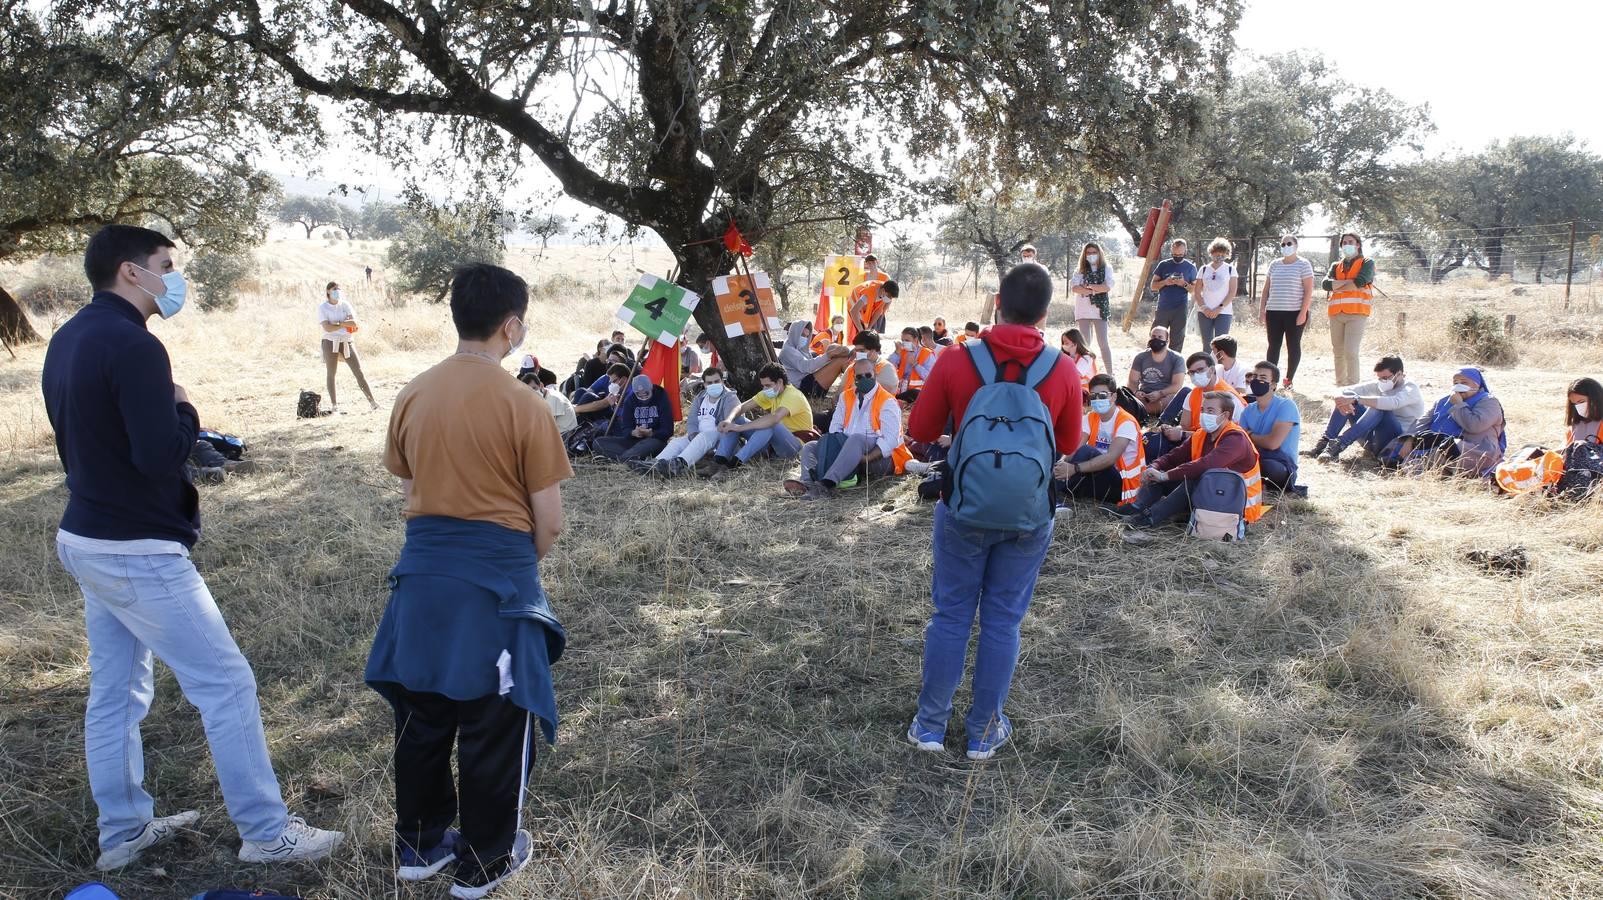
1372 413
597 402
871 420
1186 406
1275 425
642 426
1107 467
1167 483
1157 374
777 421
711 405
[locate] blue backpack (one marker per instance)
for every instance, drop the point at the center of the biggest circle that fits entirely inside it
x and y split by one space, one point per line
1001 458
1219 506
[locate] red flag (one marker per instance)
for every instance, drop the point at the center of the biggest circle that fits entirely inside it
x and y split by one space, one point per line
825 315
662 367
734 243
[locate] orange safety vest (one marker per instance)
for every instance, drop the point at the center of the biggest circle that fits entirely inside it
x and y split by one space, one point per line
875 305
1129 478
1194 401
848 397
1255 508
1082 363
1355 300
821 341
1530 469
908 370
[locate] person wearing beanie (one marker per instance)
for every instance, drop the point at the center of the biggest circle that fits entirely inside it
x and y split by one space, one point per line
642 426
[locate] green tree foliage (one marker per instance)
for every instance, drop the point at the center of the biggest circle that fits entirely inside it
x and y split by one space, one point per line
380 220
217 277
312 213
676 116
434 242
102 124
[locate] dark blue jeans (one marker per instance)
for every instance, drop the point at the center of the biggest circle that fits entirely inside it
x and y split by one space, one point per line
1375 428
1102 486
1165 500
1277 467
984 572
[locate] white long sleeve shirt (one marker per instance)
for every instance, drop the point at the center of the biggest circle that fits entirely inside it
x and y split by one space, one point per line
889 435
1404 400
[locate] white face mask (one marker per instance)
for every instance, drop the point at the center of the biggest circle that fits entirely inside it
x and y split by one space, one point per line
522 336
715 390
907 345
1210 422
1202 379
1348 251
1385 384
334 296
1288 250
1581 408
1091 258
1462 389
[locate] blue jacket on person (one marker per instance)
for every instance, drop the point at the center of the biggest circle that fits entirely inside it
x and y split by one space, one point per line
653 413
120 434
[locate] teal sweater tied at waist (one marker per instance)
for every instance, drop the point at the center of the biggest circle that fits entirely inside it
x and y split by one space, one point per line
462 593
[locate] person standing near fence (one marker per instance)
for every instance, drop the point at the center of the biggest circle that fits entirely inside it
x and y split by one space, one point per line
1215 293
1172 279
1351 286
1090 284
338 321
1288 292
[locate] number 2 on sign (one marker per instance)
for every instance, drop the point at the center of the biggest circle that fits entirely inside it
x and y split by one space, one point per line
845 277
657 306
751 303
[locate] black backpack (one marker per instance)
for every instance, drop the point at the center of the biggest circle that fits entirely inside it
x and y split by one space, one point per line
230 446
307 406
1583 471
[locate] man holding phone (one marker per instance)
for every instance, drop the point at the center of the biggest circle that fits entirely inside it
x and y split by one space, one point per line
1172 279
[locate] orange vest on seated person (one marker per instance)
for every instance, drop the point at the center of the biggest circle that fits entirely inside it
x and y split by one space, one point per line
821 342
908 370
848 397
1255 508
1354 300
1194 401
1129 478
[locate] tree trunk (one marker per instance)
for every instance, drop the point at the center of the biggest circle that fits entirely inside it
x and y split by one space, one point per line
14 325
1494 257
742 356
309 226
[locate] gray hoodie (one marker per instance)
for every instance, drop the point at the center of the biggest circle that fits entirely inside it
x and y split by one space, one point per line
726 405
796 357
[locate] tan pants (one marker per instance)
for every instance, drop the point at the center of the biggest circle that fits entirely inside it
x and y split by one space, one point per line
331 360
1346 342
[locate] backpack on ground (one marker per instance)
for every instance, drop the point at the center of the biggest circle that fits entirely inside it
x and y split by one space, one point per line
1531 468
307 406
1127 401
1219 506
230 446
1583 471
1002 455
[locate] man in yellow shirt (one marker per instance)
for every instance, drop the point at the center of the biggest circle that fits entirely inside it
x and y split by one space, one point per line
777 420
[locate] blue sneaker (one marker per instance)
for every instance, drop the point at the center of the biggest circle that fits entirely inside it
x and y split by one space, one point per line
928 741
995 736
416 866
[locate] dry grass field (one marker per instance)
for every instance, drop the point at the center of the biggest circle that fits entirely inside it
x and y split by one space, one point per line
1343 707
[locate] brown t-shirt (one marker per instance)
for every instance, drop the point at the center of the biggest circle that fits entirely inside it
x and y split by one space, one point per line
475 442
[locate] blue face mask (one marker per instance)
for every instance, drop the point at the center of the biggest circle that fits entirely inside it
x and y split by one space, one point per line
170 300
1102 406
770 393
715 391
1210 422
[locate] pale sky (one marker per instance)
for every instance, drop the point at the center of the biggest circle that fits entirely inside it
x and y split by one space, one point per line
1487 70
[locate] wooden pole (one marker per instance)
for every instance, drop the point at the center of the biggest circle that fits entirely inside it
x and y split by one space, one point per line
1154 249
744 268
1508 325
1569 270
1402 323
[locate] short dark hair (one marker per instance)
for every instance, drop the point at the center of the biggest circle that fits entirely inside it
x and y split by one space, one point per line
483 297
1274 370
892 289
711 370
971 326
910 330
1228 344
620 370
703 337
1026 292
925 331
330 286
1390 364
548 377
1105 379
866 339
1200 355
617 331
114 245
773 372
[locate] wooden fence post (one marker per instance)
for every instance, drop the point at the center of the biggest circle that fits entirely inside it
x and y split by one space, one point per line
1569 270
1508 325
1402 323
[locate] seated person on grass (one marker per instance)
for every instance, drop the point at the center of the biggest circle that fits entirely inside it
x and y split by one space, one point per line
544 383
971 332
1462 434
776 421
835 334
938 331
1583 414
1167 483
1372 413
1157 373
1107 467
912 362
1275 425
642 426
871 420
1072 343
596 402
1231 371
929 340
711 405
802 364
1186 407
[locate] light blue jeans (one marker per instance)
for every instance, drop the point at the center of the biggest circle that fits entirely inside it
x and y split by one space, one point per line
991 573
138 605
776 440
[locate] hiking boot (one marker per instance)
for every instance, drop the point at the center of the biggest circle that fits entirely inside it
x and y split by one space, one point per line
795 487
156 831
299 842
818 492
917 467
1334 453
415 866
1318 449
995 737
239 466
1127 511
924 739
473 882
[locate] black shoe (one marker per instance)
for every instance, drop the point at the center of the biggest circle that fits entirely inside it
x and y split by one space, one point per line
1127 511
1318 449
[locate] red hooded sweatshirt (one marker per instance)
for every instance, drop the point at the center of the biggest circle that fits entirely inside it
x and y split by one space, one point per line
954 380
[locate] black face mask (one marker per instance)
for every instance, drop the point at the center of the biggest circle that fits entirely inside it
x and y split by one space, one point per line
1157 345
1258 388
865 384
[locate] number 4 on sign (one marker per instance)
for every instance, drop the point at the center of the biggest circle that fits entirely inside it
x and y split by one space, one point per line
659 309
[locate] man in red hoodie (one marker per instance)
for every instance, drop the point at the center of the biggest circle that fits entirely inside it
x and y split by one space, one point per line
991 573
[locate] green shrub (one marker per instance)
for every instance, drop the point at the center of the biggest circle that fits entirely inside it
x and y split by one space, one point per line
217 276
1483 340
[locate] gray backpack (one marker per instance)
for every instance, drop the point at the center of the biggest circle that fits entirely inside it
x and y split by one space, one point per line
1001 457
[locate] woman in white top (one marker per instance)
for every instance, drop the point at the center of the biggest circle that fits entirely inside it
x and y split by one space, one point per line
1214 292
1073 345
1288 291
338 321
1090 283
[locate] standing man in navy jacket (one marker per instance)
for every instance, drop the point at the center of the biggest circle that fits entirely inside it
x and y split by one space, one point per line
123 431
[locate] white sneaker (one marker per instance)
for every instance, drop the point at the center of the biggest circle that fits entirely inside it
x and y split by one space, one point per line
334 410
156 831
522 852
917 467
299 842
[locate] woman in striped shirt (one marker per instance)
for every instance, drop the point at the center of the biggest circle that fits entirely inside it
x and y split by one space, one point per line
1288 292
